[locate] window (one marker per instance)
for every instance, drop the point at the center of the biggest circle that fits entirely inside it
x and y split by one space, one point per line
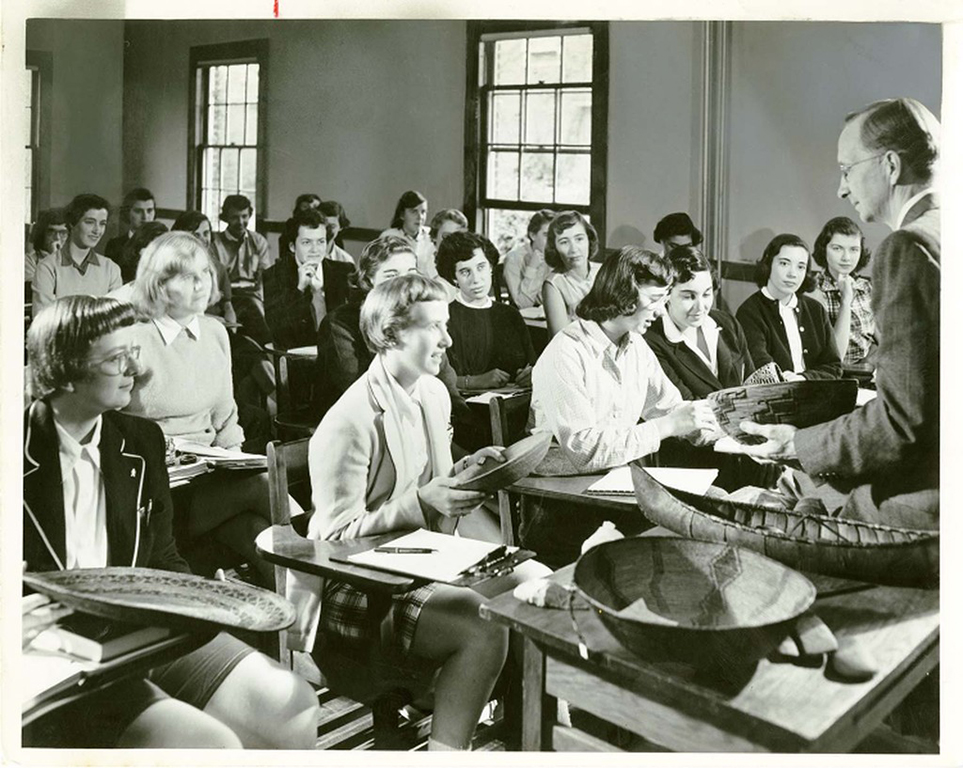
536 124
227 148
31 132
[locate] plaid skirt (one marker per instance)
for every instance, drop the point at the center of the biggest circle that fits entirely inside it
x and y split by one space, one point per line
344 615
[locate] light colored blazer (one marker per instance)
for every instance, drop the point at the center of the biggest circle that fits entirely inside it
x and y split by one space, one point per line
361 484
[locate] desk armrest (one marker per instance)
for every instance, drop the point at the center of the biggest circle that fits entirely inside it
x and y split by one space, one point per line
281 545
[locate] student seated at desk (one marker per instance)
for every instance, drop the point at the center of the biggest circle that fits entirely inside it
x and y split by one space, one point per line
408 222
572 244
591 387
380 461
89 475
335 220
702 350
77 268
343 355
490 346
129 257
782 324
185 386
48 235
525 266
841 251
199 225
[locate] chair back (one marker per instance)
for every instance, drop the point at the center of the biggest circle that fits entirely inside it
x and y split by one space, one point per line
288 474
509 419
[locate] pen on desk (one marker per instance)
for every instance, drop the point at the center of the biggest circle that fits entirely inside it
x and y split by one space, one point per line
405 550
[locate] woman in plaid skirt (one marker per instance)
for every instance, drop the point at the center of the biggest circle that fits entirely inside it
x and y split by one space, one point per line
380 461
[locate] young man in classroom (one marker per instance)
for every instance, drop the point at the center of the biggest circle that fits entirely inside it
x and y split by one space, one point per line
139 208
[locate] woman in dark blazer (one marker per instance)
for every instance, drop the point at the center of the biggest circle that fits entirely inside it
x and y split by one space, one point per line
674 338
96 494
779 315
702 350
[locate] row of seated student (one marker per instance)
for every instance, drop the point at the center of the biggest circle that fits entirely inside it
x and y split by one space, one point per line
626 375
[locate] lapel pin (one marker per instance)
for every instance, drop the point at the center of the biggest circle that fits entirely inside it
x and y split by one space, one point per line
133 472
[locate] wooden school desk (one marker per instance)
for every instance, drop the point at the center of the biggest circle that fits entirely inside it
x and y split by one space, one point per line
775 707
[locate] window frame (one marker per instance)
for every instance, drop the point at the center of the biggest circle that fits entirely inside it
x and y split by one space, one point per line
238 52
41 62
476 120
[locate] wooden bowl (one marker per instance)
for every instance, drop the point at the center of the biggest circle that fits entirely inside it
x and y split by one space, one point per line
520 459
165 598
800 403
703 603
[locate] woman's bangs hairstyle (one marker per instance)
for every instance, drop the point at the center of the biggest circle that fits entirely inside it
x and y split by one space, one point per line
764 265
461 246
168 256
447 214
387 308
539 219
334 208
687 261
841 225
189 221
51 217
61 335
410 199
560 223
376 253
615 291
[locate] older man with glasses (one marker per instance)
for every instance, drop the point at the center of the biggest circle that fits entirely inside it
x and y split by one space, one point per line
881 462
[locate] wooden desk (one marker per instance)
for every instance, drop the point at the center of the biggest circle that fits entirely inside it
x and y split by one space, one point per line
773 707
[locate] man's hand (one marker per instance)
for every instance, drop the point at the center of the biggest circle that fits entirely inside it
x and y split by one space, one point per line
309 276
780 440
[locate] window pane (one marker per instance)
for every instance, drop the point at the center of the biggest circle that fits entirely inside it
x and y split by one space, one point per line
503 175
251 132
544 59
235 124
506 110
576 118
236 83
577 59
509 62
252 83
228 170
212 168
217 91
540 117
248 168
216 125
537 177
506 228
574 181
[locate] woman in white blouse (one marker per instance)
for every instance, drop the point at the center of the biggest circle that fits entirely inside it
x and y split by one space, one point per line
525 267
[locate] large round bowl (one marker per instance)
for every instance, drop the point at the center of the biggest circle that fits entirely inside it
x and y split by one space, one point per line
520 459
799 403
165 598
707 604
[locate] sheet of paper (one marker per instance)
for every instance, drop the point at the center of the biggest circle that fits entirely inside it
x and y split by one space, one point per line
309 351
863 396
221 456
619 480
533 313
484 398
452 555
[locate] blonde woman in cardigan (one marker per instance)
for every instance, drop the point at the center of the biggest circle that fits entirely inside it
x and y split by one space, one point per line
186 388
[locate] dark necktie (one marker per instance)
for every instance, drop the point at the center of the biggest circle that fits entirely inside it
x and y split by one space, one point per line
702 344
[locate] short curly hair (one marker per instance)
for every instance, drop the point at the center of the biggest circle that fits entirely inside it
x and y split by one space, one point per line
386 310
567 220
376 253
77 207
61 335
841 225
615 291
764 265
461 246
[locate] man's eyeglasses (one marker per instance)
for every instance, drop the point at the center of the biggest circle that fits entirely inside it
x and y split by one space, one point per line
845 169
117 364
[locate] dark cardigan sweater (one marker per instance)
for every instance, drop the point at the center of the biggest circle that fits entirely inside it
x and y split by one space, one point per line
768 342
485 339
686 369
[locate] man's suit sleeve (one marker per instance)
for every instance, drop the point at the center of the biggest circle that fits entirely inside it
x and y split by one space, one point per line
889 430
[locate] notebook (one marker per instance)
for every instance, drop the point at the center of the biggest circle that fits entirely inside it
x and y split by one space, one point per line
96 639
221 457
618 482
452 556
